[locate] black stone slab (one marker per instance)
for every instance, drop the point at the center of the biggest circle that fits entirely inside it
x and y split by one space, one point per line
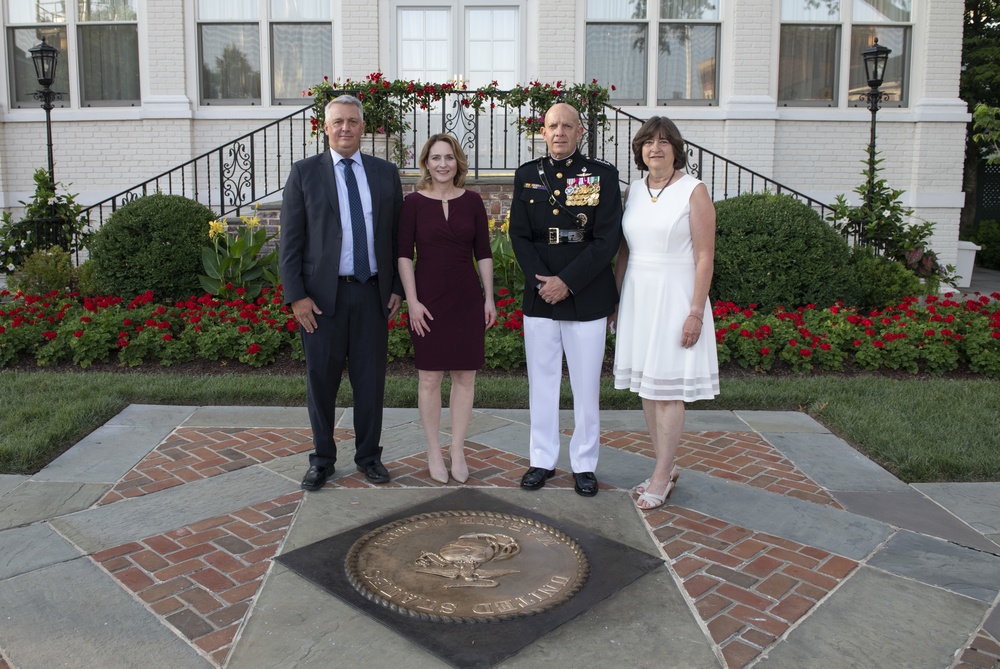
613 565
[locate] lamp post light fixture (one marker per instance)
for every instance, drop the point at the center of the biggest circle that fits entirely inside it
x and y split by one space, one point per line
876 57
45 58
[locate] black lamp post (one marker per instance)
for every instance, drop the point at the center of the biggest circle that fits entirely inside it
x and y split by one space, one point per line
876 57
45 58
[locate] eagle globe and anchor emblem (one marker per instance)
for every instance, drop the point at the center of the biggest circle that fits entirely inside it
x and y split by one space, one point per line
461 560
467 566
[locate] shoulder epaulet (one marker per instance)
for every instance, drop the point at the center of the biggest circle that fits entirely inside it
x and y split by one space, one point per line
601 161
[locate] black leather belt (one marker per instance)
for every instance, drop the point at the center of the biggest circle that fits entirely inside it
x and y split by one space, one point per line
350 278
560 236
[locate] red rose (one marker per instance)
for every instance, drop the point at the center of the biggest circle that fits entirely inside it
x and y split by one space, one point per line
167 337
253 349
805 353
878 343
78 334
765 351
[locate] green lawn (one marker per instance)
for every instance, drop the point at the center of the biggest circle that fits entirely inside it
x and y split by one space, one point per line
920 429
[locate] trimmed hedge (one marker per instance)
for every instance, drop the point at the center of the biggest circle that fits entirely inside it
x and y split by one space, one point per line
153 243
772 250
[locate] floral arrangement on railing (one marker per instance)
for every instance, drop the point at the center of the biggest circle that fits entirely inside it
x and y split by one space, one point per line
935 336
387 102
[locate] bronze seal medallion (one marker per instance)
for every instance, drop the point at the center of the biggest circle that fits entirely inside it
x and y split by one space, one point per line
467 566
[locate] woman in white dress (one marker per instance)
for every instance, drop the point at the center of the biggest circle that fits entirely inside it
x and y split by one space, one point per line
665 340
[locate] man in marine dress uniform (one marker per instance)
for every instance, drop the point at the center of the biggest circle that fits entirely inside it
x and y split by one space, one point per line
565 228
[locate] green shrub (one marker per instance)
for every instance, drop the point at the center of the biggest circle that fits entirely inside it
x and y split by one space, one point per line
988 239
882 281
85 282
44 271
153 243
772 250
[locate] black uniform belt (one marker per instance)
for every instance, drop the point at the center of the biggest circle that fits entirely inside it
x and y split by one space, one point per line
560 236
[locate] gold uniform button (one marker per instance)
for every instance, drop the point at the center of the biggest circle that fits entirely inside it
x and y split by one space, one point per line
558 175
531 201
557 193
555 212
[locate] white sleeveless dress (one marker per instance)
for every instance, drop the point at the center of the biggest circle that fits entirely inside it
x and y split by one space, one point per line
656 300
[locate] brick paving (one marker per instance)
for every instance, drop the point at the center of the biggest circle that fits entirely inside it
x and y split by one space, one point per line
982 653
748 587
743 457
202 579
191 453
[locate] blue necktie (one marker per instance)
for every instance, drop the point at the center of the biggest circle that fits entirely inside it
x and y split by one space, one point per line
362 268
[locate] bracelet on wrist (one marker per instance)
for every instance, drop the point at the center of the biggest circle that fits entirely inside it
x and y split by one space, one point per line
698 317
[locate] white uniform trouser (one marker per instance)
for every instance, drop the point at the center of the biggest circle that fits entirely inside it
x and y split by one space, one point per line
545 340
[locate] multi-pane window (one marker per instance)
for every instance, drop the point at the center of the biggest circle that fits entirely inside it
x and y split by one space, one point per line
875 19
484 47
688 51
617 44
684 66
98 49
812 49
235 38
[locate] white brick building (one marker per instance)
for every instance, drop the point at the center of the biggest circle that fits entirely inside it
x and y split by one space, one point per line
770 84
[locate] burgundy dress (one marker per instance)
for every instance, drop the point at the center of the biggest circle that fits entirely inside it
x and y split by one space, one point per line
446 277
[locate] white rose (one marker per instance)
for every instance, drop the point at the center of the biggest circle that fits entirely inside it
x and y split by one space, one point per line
10 266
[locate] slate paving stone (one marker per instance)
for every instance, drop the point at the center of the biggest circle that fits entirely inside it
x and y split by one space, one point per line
513 438
105 455
992 623
10 481
968 572
247 417
788 422
978 504
833 530
25 549
128 520
702 421
833 463
55 625
911 510
880 620
31 502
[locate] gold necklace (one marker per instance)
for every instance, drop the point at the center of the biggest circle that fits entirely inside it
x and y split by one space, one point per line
653 197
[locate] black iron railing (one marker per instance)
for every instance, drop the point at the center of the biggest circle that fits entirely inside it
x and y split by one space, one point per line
233 176
254 166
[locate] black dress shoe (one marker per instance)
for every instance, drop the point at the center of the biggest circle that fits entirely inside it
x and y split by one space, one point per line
375 472
586 484
535 477
316 477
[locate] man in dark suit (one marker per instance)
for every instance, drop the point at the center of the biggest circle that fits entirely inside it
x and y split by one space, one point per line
338 259
565 228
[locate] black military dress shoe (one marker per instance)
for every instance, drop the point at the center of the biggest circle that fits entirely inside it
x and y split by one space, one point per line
586 484
316 477
375 472
535 477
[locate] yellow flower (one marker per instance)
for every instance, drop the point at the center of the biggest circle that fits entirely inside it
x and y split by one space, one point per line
492 224
250 221
505 227
216 228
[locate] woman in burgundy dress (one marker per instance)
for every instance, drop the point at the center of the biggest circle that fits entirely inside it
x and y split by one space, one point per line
449 308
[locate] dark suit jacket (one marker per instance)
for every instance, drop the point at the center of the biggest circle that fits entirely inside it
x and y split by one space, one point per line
311 231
